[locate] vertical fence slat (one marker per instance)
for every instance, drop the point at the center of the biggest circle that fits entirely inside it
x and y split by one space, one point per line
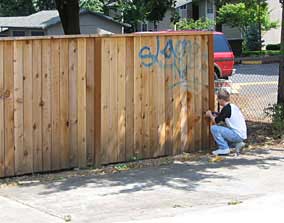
81 92
205 92
113 94
47 105
129 93
90 100
55 98
147 102
121 99
2 126
211 76
105 103
98 100
198 93
19 106
138 140
177 109
73 117
37 107
28 105
9 108
169 100
183 49
64 104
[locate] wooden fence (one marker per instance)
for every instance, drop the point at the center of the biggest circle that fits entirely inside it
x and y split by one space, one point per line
89 100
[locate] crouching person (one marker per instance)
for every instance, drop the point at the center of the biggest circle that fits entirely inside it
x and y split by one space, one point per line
235 131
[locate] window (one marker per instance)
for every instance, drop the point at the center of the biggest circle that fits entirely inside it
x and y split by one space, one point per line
183 7
210 7
144 27
19 33
221 44
37 33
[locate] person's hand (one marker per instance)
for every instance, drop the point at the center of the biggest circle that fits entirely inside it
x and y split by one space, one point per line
208 114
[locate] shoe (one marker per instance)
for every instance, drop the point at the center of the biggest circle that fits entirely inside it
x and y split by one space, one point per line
221 152
239 147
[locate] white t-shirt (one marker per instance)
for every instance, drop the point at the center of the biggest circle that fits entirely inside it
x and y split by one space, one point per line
234 119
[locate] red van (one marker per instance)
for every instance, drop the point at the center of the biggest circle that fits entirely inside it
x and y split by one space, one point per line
223 57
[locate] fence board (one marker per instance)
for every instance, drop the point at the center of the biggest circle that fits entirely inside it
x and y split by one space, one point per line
121 99
129 103
37 107
112 151
18 106
98 100
105 108
81 88
198 92
73 104
169 100
47 105
205 92
55 98
27 162
9 108
64 104
138 116
2 126
91 101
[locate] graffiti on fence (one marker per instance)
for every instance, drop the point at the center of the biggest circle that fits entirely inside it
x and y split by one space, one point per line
177 56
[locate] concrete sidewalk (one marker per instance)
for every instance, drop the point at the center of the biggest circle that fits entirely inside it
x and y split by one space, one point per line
173 193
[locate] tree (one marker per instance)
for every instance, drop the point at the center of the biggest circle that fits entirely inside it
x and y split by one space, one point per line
280 98
16 7
134 12
246 14
69 14
219 4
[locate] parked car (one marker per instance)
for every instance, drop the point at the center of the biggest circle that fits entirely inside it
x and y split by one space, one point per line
223 57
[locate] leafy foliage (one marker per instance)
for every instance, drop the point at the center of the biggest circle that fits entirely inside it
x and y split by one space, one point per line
190 24
252 38
138 11
92 5
16 7
24 7
276 112
246 16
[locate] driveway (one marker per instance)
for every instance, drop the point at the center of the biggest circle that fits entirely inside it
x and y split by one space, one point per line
167 193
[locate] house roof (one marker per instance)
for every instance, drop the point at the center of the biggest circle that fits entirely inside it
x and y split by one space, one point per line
44 19
180 3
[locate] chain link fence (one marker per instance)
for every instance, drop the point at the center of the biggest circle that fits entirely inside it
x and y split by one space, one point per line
254 88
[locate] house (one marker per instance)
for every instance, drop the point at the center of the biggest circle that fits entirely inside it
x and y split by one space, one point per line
186 9
48 23
273 36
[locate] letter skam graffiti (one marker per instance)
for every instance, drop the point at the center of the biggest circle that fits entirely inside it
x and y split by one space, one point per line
178 56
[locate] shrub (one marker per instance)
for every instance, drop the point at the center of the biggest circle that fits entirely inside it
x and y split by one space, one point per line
276 113
273 47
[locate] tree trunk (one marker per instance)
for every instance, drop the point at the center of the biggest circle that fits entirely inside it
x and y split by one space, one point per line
280 98
69 14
